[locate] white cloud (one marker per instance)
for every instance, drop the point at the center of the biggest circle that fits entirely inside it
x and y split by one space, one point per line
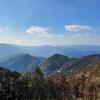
44 36
39 31
77 28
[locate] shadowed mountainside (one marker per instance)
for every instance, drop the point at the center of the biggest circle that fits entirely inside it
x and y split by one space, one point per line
54 63
86 63
21 62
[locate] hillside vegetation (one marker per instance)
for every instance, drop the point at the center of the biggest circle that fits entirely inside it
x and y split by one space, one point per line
83 83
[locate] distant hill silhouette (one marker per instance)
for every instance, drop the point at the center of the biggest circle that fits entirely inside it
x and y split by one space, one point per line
47 50
54 63
21 62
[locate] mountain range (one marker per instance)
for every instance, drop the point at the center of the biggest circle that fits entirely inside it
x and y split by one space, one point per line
53 63
21 62
50 59
84 64
67 65
47 50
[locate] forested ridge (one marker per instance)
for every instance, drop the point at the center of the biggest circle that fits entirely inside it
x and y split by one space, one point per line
34 86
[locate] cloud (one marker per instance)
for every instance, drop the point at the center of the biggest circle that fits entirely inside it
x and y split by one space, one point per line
46 36
77 28
64 40
39 31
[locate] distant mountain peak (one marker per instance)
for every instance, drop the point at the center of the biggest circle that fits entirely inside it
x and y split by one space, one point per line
53 63
58 55
21 62
47 51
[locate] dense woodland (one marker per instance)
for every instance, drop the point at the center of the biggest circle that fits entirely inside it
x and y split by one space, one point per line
34 86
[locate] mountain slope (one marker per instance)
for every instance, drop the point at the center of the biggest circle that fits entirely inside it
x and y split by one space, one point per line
21 62
9 50
53 63
87 63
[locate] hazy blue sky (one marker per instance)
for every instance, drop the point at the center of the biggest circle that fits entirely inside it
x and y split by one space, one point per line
52 22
